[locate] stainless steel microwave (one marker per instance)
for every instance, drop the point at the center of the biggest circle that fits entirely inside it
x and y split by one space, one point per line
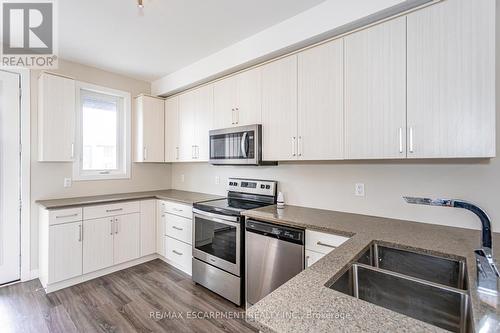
237 146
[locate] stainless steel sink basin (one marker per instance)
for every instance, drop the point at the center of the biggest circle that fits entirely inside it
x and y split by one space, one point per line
446 271
414 284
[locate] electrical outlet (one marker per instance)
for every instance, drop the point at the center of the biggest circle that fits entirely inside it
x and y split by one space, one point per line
359 190
67 182
182 178
217 180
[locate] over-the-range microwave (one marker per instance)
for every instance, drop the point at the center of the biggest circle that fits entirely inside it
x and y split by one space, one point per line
237 146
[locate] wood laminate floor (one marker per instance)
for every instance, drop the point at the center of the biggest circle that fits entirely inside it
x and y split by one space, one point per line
151 297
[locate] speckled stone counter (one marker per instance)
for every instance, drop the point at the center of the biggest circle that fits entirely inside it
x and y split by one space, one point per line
170 195
305 304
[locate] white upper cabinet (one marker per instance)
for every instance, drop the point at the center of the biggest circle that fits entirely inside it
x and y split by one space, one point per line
321 102
172 129
451 80
279 109
195 120
149 129
375 92
237 100
56 118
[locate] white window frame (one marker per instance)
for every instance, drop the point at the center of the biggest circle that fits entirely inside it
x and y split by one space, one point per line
124 130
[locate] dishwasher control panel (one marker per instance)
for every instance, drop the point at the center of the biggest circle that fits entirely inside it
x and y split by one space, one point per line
272 230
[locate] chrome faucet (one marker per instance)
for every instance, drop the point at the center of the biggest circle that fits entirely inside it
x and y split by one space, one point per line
488 276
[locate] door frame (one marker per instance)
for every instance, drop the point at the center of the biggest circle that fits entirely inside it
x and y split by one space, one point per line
25 130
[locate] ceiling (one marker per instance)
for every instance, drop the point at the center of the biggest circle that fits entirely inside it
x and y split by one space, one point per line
170 34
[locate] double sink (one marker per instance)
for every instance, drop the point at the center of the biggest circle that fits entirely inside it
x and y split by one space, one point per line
426 287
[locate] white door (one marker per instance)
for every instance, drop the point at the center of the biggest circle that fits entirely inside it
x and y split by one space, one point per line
187 110
279 110
97 244
249 97
172 129
65 256
203 121
321 102
375 92
225 103
10 245
148 227
127 238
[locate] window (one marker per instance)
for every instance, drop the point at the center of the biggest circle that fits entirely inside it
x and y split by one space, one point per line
103 133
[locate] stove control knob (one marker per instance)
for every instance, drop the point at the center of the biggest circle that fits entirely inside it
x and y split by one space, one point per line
268 187
262 186
235 184
230 183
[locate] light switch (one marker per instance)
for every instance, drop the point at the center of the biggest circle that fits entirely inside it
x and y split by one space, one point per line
359 190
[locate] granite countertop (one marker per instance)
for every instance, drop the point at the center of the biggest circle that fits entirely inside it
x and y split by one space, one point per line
304 304
185 197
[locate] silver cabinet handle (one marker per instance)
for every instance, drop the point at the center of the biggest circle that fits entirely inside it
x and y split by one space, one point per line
178 253
80 233
112 230
177 209
411 140
232 116
299 146
177 228
324 244
113 210
176 153
64 216
197 152
400 140
293 146
144 154
72 150
117 224
237 113
193 152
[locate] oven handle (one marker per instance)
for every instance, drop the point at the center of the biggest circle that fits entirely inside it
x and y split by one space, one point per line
233 220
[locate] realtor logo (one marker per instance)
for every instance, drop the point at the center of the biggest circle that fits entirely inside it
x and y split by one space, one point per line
28 32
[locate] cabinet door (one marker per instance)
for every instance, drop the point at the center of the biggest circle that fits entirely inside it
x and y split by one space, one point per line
225 103
187 111
375 92
249 97
97 244
160 233
321 102
203 121
279 109
150 129
126 244
172 129
148 227
451 80
56 118
65 251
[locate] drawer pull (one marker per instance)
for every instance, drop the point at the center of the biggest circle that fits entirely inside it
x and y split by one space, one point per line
324 244
177 210
177 228
178 253
113 210
63 216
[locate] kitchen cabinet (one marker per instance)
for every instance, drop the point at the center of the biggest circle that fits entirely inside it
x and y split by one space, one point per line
172 129
179 254
195 120
160 233
321 102
237 99
375 92
65 251
318 244
149 129
148 227
126 240
97 244
56 118
279 109
451 80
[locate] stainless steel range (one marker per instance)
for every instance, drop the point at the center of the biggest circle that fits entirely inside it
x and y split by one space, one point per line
218 236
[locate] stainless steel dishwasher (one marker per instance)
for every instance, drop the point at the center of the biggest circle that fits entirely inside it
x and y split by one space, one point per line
273 255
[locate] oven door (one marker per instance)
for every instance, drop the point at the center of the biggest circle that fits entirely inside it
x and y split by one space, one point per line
217 240
238 145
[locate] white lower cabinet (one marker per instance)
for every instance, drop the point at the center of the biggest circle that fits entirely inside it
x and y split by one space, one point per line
65 251
126 240
179 254
148 227
179 228
319 244
97 244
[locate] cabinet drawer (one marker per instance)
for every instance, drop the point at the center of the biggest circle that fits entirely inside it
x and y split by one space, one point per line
176 209
59 216
322 242
178 253
312 257
178 227
120 208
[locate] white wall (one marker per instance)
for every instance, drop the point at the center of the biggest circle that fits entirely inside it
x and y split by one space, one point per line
296 30
47 178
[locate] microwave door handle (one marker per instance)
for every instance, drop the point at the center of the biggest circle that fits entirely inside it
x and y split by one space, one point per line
244 144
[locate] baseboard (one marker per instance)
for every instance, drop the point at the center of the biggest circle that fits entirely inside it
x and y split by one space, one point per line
33 274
